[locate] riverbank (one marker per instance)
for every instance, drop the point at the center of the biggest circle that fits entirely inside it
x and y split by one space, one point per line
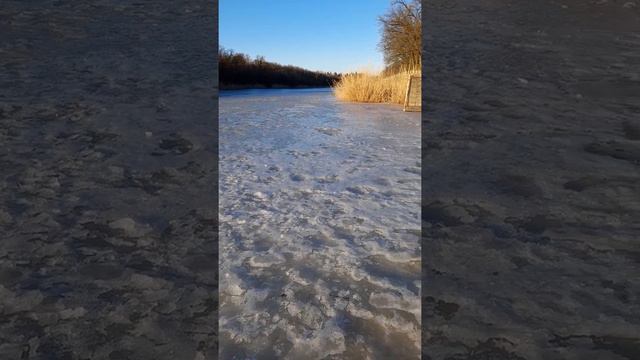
238 70
369 87
225 86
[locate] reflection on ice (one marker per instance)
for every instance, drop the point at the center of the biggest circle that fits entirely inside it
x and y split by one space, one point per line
320 227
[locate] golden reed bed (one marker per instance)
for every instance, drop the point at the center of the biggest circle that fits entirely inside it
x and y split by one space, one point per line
369 87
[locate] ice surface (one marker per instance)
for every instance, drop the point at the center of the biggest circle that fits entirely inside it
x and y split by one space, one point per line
320 226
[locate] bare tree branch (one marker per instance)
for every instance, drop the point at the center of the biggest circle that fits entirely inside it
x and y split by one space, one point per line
401 40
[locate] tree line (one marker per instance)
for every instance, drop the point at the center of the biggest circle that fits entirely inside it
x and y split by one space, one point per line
238 70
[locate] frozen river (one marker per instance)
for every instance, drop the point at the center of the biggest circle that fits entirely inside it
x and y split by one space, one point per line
319 227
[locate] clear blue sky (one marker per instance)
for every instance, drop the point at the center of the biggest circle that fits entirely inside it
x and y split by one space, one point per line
325 35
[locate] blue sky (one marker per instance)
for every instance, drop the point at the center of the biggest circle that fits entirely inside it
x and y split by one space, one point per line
325 35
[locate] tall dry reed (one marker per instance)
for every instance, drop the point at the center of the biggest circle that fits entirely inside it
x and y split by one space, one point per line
369 87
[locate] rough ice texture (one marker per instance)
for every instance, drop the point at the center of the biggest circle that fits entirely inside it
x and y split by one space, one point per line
108 180
531 180
320 221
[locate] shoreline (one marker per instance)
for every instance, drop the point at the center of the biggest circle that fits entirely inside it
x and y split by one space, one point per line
226 87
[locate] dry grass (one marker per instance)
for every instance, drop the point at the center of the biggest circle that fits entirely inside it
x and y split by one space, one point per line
373 88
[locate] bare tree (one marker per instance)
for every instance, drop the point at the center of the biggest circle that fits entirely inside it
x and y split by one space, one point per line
401 41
